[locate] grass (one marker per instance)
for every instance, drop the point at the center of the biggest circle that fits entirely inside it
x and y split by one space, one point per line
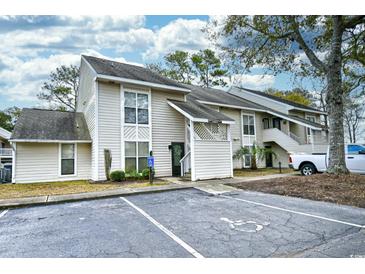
9 191
259 172
340 189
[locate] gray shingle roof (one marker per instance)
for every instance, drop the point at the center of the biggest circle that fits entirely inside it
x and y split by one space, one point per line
220 97
39 124
281 100
117 69
200 111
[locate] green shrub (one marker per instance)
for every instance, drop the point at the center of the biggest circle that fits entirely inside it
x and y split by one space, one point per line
117 175
146 173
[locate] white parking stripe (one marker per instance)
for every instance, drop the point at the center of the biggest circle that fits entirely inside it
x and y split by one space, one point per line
2 214
293 211
187 247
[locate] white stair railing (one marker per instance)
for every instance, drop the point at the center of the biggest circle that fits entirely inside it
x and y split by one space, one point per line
184 163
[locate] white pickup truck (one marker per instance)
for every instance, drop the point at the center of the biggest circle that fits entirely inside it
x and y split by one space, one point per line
310 164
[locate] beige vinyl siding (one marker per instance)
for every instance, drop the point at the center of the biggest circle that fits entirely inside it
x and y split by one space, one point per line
236 132
86 87
109 126
212 159
39 162
282 156
167 126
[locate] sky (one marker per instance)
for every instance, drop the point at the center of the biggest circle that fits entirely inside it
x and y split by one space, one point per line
33 46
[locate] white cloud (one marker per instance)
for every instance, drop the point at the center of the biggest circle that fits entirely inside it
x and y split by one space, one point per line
181 34
256 81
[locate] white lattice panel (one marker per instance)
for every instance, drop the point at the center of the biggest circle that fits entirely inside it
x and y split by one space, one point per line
130 133
211 131
143 133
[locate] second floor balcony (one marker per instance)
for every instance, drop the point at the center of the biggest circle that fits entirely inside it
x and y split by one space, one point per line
6 152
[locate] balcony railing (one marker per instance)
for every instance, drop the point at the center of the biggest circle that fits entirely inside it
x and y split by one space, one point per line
6 152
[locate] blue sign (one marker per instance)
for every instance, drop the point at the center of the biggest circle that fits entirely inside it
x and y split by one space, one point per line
150 161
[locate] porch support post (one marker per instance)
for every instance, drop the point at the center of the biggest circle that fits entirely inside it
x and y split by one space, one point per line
312 140
229 137
13 163
192 151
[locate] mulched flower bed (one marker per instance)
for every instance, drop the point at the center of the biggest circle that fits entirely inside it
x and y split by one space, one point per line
340 189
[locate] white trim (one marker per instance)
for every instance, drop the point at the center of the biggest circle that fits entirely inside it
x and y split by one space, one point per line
201 120
90 66
13 163
150 118
187 115
254 125
308 110
139 82
293 120
230 147
5 133
192 151
96 167
309 136
49 141
122 160
229 106
259 110
60 160
290 107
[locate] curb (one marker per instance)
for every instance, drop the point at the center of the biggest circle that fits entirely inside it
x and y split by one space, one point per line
54 199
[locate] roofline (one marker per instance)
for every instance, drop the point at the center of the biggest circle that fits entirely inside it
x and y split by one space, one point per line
5 133
202 120
293 120
309 110
48 141
229 106
187 115
277 101
262 110
142 83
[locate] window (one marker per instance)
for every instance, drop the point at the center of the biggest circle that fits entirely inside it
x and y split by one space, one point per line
355 149
247 158
135 108
312 119
248 122
136 154
67 159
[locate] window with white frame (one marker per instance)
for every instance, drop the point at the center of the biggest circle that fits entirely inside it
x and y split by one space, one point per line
67 159
248 129
247 158
136 154
248 122
135 108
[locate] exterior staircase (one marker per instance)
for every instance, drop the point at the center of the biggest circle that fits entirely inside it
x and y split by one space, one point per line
289 143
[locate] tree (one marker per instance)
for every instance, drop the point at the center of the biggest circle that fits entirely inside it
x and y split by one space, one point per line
61 90
303 45
5 121
8 117
257 153
183 67
176 66
354 115
209 68
296 95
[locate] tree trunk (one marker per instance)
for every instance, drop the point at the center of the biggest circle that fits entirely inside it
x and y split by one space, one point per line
354 134
335 102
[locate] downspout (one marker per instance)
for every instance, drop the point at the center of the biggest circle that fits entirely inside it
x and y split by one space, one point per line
13 161
192 149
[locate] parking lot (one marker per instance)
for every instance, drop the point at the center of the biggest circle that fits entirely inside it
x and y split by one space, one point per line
185 223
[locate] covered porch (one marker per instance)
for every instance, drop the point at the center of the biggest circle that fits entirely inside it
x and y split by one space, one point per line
208 144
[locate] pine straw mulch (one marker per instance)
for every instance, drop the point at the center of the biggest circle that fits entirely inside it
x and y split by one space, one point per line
339 189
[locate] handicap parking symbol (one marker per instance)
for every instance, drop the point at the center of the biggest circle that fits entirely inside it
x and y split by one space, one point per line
245 226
